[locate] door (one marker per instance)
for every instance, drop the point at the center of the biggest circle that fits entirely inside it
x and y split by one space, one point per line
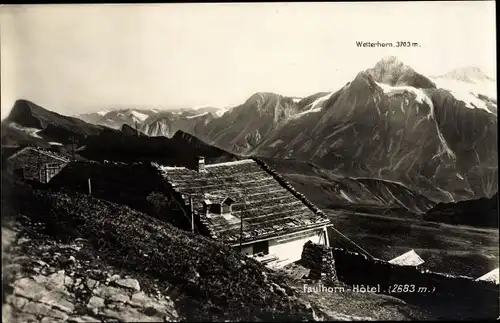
262 246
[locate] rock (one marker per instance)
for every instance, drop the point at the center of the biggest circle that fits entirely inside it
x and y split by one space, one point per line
78 281
91 283
96 302
68 281
114 278
50 320
22 240
132 284
127 314
41 279
71 259
17 302
83 319
139 299
36 308
12 267
112 293
29 288
278 289
41 263
58 299
56 280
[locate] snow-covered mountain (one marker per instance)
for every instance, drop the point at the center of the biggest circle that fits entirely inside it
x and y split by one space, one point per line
471 85
154 122
434 135
390 123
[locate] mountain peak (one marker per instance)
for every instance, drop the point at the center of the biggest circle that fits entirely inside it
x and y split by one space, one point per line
469 74
262 95
390 61
390 70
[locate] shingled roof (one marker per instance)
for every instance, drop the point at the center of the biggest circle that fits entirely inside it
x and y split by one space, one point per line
269 206
43 152
410 258
491 276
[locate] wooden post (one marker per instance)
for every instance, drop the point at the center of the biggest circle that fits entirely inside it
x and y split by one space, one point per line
241 230
90 187
46 169
192 212
73 147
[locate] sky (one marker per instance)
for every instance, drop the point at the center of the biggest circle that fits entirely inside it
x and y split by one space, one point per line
81 58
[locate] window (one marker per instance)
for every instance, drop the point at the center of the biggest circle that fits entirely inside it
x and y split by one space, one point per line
261 247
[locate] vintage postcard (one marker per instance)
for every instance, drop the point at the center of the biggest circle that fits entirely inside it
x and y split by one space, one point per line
249 162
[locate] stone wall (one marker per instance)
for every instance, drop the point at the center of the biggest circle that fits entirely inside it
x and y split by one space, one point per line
319 259
357 269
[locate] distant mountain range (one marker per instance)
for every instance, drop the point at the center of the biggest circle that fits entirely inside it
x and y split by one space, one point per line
435 135
389 123
154 122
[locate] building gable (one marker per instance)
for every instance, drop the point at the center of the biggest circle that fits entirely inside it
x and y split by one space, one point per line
34 163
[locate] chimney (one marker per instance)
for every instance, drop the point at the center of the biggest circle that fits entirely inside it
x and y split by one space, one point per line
201 164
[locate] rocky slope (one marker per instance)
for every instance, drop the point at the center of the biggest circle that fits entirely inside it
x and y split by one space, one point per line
112 253
168 123
243 127
56 282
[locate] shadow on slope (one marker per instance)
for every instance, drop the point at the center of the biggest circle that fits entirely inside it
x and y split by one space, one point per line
481 212
182 150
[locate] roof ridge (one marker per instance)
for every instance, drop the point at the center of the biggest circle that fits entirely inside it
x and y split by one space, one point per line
52 154
235 162
42 151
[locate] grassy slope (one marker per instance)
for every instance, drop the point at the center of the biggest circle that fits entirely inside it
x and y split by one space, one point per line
214 283
206 279
458 250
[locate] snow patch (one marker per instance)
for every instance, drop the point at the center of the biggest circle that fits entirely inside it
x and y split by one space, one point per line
420 95
31 131
296 100
314 106
197 115
139 115
468 92
321 100
344 195
55 143
102 112
460 176
201 107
